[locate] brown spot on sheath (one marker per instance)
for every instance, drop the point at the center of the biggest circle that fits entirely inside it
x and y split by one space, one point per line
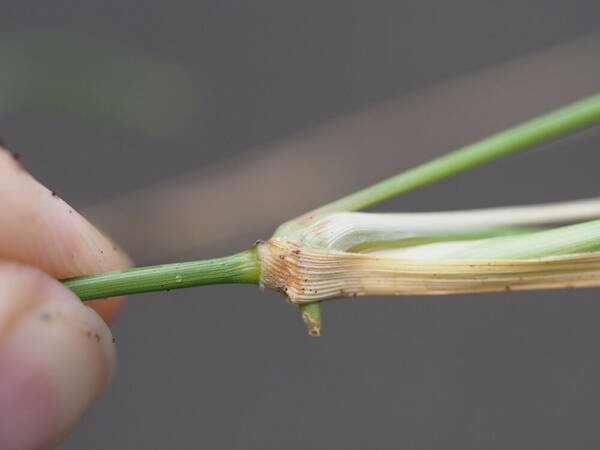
508 288
89 334
281 268
54 194
114 339
97 336
46 316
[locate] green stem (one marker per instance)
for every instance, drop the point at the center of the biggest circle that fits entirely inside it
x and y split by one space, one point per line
535 131
239 268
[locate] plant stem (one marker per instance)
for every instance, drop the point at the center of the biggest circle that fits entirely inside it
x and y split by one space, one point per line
245 267
557 123
242 267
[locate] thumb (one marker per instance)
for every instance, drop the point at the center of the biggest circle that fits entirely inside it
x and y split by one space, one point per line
56 355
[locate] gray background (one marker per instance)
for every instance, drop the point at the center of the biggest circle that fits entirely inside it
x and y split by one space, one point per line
231 367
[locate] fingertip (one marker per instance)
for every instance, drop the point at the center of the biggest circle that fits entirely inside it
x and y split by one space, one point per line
56 355
44 231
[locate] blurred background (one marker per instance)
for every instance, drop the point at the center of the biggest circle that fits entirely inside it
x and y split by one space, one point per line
190 129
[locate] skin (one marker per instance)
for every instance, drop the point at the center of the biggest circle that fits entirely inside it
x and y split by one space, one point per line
56 353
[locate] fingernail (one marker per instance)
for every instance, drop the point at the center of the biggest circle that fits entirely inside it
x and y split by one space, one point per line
56 355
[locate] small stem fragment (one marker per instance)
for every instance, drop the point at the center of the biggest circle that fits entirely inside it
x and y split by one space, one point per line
311 315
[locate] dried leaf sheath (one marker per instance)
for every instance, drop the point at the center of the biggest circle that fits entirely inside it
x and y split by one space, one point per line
306 274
